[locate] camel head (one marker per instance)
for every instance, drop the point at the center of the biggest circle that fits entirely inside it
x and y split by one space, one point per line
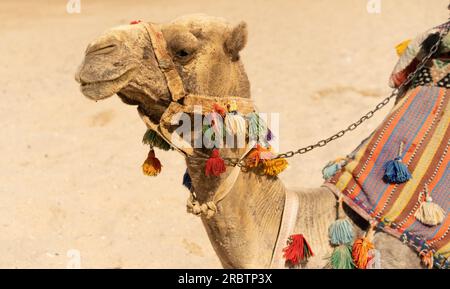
204 49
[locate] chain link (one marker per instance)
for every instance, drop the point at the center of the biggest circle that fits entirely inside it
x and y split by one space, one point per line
395 92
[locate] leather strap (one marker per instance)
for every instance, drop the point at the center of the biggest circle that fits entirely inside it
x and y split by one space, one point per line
226 186
173 79
287 226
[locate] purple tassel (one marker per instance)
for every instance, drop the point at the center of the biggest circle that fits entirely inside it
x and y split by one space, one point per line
269 135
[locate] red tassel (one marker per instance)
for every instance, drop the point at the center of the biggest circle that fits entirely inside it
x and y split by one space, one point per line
215 165
135 22
297 250
219 109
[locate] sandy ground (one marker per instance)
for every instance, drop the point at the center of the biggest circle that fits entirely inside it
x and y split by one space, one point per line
71 190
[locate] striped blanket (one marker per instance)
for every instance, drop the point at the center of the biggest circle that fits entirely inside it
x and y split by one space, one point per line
419 123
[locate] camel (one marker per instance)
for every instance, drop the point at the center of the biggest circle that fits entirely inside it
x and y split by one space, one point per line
205 51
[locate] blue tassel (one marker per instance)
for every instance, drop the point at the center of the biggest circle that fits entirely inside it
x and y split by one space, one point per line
396 172
341 232
187 181
332 168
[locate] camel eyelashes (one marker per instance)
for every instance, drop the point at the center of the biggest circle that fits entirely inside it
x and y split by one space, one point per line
182 53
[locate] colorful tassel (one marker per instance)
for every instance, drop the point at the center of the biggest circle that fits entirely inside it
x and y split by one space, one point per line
257 128
273 167
219 109
187 181
235 124
153 139
396 172
374 259
427 258
429 213
269 135
215 165
214 129
361 248
297 250
256 155
232 106
332 168
151 166
341 231
401 48
341 258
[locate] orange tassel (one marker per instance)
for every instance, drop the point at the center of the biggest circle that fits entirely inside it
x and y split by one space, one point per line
361 248
297 250
256 155
215 165
427 258
151 166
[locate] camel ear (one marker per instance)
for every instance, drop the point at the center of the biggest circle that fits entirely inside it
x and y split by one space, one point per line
236 40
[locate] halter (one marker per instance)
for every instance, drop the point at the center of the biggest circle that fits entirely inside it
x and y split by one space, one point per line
181 101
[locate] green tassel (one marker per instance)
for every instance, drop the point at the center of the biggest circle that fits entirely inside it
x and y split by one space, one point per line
257 128
153 139
341 258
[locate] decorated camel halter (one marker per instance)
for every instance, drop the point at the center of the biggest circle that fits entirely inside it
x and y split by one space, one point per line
238 114
360 254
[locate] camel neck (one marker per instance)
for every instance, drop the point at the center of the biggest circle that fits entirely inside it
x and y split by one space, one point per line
244 230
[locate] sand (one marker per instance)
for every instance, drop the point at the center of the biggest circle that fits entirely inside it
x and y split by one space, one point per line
71 190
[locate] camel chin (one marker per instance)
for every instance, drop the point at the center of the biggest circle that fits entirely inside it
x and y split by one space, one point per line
103 89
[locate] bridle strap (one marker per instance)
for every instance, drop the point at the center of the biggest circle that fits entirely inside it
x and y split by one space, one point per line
287 226
166 65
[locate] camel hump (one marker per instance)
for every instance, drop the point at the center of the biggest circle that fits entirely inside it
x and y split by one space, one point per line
412 52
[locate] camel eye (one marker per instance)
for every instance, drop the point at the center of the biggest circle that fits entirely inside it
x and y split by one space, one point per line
182 53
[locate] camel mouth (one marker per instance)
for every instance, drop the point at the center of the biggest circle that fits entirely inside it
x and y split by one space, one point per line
102 89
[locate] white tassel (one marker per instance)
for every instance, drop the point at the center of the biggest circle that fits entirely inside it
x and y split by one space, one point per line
235 124
429 213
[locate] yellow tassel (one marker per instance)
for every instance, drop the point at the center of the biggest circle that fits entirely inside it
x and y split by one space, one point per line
151 166
232 106
401 48
274 167
429 213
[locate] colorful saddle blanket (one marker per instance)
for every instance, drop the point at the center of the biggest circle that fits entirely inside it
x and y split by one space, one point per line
419 123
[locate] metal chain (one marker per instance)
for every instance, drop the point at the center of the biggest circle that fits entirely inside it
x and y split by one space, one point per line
241 162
